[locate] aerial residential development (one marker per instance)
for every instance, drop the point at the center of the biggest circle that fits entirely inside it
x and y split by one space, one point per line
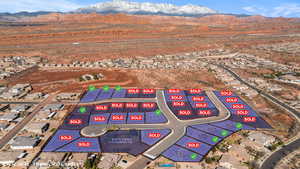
149 84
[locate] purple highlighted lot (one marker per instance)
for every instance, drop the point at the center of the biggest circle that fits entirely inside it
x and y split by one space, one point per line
87 111
117 118
213 130
100 108
119 94
167 93
179 154
231 125
201 136
258 123
188 93
135 118
90 96
176 105
123 141
151 137
147 95
75 122
152 118
61 138
146 107
82 145
105 94
194 145
129 107
175 97
100 118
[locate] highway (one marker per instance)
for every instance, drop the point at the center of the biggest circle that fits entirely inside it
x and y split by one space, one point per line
271 161
177 126
6 138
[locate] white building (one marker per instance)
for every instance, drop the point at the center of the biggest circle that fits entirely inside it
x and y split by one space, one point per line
24 142
9 116
261 138
37 127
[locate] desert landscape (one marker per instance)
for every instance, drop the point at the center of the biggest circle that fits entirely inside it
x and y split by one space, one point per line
63 38
52 61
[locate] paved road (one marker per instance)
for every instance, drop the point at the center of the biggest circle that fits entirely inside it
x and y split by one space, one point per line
5 139
271 161
177 126
281 153
140 163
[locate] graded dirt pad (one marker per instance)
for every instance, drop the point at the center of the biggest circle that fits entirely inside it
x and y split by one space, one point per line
63 38
68 80
177 79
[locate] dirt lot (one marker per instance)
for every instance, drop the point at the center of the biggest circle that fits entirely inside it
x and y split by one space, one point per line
68 80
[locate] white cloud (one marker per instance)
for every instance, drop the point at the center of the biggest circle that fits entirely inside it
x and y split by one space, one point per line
37 5
250 9
285 10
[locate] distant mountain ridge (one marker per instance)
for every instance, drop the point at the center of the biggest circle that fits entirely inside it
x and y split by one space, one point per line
146 8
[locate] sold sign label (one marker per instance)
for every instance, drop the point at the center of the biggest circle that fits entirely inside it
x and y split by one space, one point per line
195 91
133 91
118 117
178 104
232 99
131 105
99 118
204 112
242 112
198 98
65 138
148 105
226 93
75 121
154 135
148 91
117 105
84 144
136 117
238 106
249 119
201 105
185 112
174 91
193 145
101 107
176 97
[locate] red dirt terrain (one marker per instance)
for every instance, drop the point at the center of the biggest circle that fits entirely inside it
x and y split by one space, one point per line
64 38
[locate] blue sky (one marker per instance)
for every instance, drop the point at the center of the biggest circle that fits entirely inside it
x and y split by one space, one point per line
272 8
